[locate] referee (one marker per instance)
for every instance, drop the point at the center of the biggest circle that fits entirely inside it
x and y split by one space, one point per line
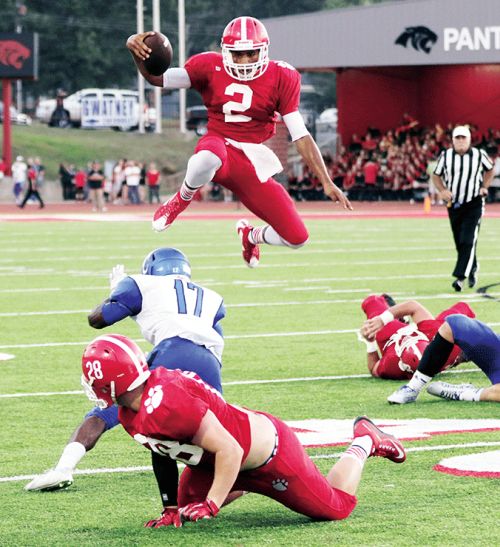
462 176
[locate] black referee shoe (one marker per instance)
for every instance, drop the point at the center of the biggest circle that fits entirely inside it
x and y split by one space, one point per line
472 280
458 285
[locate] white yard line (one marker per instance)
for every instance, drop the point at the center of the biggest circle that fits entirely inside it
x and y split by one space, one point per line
214 256
141 469
473 297
230 337
241 282
30 313
238 266
435 448
234 383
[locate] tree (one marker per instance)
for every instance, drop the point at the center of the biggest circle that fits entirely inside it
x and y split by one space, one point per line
82 42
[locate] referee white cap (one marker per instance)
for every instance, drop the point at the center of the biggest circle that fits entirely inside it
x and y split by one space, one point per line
461 131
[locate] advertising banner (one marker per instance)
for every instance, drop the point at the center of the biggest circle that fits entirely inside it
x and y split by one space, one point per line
427 32
109 111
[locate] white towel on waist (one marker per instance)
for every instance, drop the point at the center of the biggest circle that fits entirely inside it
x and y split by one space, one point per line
264 160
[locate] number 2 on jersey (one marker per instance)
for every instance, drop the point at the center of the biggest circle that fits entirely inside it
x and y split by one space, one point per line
233 106
181 297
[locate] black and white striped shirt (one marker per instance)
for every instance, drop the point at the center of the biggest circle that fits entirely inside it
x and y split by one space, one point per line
463 175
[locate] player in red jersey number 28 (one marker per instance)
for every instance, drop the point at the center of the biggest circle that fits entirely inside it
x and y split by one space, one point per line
226 448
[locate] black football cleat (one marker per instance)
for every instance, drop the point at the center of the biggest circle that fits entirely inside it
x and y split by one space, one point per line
458 285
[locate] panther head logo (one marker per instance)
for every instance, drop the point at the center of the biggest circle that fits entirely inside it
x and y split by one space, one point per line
421 38
13 53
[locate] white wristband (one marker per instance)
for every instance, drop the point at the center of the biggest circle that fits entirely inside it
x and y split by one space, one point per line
371 347
386 317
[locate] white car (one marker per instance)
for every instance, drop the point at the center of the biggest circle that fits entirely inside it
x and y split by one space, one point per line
329 116
326 131
16 117
73 104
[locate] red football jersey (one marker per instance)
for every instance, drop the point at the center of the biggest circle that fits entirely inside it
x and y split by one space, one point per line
244 111
388 366
172 407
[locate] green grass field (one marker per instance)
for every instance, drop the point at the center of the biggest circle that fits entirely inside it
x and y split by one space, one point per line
292 318
170 150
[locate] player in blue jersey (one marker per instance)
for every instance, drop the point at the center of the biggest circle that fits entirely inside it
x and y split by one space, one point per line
181 320
478 343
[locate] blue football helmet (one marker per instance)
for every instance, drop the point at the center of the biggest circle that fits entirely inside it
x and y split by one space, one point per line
166 261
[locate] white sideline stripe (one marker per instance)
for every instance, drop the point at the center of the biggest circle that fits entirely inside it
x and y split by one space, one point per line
281 265
55 289
469 297
40 394
30 313
438 229
230 337
316 378
234 383
5 262
86 472
247 283
140 469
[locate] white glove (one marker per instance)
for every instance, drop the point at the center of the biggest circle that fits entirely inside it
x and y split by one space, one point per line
116 275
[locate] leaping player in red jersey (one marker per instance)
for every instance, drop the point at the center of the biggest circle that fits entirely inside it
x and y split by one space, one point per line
226 448
243 91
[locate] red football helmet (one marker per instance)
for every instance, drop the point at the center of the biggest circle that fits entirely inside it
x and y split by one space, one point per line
112 364
410 347
245 34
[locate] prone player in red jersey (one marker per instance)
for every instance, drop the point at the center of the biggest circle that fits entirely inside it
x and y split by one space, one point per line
226 448
243 91
402 345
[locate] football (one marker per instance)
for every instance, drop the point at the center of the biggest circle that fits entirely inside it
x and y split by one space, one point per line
161 55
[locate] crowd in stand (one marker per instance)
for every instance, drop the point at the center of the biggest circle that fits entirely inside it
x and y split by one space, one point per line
130 182
395 165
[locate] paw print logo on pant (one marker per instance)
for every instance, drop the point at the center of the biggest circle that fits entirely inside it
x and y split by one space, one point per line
155 395
280 484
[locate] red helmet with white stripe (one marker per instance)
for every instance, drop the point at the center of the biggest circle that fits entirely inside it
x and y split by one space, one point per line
410 345
245 34
112 364
411 355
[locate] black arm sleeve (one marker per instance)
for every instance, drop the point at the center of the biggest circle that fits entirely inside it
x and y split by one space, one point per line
167 477
95 318
435 356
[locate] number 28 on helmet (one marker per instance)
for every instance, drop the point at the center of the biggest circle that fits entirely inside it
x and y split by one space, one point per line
245 34
112 364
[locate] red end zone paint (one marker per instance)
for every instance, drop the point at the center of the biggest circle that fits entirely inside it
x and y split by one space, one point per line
480 464
462 473
331 432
